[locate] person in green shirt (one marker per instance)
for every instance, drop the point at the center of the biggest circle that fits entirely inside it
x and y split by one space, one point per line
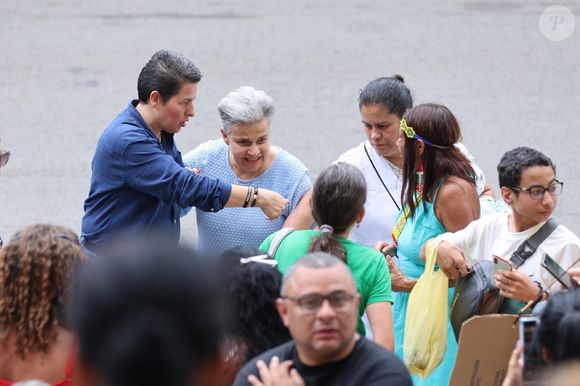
338 198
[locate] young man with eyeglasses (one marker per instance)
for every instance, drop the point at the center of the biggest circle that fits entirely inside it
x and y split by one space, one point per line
529 186
318 304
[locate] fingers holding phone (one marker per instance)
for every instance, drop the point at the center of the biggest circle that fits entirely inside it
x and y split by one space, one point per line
531 355
516 285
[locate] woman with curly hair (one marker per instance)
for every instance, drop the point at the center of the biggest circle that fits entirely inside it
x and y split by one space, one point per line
251 283
37 270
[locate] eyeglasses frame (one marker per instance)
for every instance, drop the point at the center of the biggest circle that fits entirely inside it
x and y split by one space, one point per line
529 188
298 300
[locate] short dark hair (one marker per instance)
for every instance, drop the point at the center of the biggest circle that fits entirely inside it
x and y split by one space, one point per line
338 197
389 92
515 161
559 330
166 72
148 315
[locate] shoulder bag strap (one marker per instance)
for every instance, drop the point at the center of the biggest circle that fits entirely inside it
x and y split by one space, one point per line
528 247
277 240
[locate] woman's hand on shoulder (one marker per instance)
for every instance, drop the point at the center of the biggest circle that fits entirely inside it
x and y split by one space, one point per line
457 204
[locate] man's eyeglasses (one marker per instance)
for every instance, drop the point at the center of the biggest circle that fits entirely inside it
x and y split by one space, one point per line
537 192
340 301
4 157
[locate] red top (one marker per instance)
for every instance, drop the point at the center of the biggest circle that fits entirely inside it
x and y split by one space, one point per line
68 371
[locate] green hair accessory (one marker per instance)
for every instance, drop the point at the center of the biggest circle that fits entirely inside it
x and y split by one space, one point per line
410 133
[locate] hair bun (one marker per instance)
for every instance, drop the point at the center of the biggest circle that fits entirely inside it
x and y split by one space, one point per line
399 78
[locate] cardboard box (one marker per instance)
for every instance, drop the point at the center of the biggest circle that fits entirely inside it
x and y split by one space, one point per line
485 345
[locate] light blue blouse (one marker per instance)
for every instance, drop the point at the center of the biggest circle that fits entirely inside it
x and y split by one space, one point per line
218 232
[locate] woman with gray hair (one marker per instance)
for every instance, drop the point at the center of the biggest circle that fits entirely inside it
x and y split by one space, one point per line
244 156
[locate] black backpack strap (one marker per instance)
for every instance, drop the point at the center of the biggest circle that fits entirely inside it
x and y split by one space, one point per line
528 247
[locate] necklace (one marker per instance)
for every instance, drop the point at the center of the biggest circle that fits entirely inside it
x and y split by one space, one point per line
395 169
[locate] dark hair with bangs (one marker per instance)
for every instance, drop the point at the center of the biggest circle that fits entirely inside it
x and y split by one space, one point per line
438 125
166 72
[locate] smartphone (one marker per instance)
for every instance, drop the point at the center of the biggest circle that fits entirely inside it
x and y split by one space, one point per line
532 356
499 263
558 272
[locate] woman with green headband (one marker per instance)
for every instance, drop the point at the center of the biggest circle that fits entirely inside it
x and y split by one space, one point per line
438 195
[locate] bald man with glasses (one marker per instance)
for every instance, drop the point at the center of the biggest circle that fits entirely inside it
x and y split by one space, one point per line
318 304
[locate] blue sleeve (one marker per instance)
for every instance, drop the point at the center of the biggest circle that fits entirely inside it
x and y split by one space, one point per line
151 170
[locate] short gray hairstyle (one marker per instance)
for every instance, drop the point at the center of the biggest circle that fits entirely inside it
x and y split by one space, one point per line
314 260
244 105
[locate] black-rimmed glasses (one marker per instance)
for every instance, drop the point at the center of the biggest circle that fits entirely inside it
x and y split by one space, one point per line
537 192
340 301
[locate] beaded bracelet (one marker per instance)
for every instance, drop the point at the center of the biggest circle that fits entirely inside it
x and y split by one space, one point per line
248 195
255 197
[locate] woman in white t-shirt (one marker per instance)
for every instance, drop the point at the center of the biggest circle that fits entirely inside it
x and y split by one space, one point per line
382 104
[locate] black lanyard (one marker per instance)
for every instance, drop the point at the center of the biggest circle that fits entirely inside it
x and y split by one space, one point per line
378 175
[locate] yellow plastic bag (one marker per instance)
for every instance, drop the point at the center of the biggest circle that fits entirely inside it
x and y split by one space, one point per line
427 317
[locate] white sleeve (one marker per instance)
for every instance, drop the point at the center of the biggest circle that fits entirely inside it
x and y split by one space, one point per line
463 239
479 176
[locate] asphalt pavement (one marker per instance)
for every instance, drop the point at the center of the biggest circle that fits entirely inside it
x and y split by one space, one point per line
68 67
